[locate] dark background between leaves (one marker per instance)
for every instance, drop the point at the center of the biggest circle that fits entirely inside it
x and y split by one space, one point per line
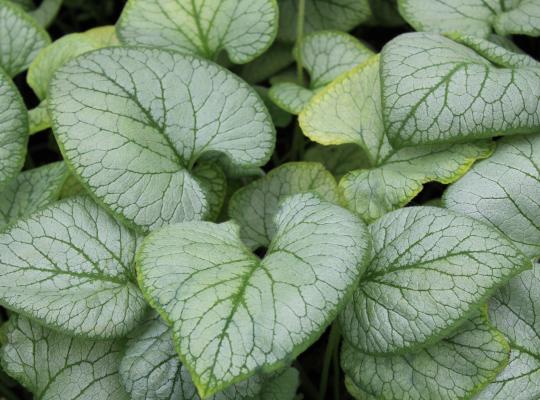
80 15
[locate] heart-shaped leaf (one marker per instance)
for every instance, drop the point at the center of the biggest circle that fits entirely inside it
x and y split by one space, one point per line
338 159
437 90
430 270
254 207
22 38
457 367
151 370
133 122
13 129
30 191
233 314
325 55
320 15
70 267
504 191
55 366
474 17
243 28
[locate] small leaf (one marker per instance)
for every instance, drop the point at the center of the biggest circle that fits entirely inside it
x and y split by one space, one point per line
338 159
474 17
254 207
454 368
151 370
22 38
55 366
243 28
371 193
278 57
133 122
280 117
46 12
320 15
30 191
514 311
436 90
430 270
38 118
504 191
234 315
13 129
325 55
70 267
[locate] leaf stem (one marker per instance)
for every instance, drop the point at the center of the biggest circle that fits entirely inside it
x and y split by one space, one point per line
331 348
299 38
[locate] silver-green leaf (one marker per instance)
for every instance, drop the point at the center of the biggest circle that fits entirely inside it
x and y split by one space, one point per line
234 315
431 268
70 266
132 122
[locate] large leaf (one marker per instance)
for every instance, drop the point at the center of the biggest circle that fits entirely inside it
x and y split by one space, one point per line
436 90
430 270
514 310
454 368
151 370
70 266
348 111
243 28
475 17
233 314
22 38
325 55
133 122
30 191
55 366
321 14
504 191
254 207
13 129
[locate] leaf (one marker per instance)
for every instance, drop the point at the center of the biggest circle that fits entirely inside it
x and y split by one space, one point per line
338 159
349 111
325 55
278 57
30 191
371 193
436 90
232 313
132 122
430 270
280 118
254 207
103 36
214 182
320 15
22 38
454 368
514 310
243 28
46 12
474 17
38 118
55 366
70 267
150 369
13 129
504 191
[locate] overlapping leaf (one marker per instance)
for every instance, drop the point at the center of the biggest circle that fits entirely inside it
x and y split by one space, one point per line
233 314
30 191
475 17
437 90
243 28
457 367
55 366
254 207
430 270
70 266
133 123
151 370
22 38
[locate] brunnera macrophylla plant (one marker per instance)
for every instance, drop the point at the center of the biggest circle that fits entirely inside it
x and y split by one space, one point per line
238 179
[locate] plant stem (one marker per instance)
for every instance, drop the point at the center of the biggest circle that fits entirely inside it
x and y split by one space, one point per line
308 387
337 370
299 37
333 342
